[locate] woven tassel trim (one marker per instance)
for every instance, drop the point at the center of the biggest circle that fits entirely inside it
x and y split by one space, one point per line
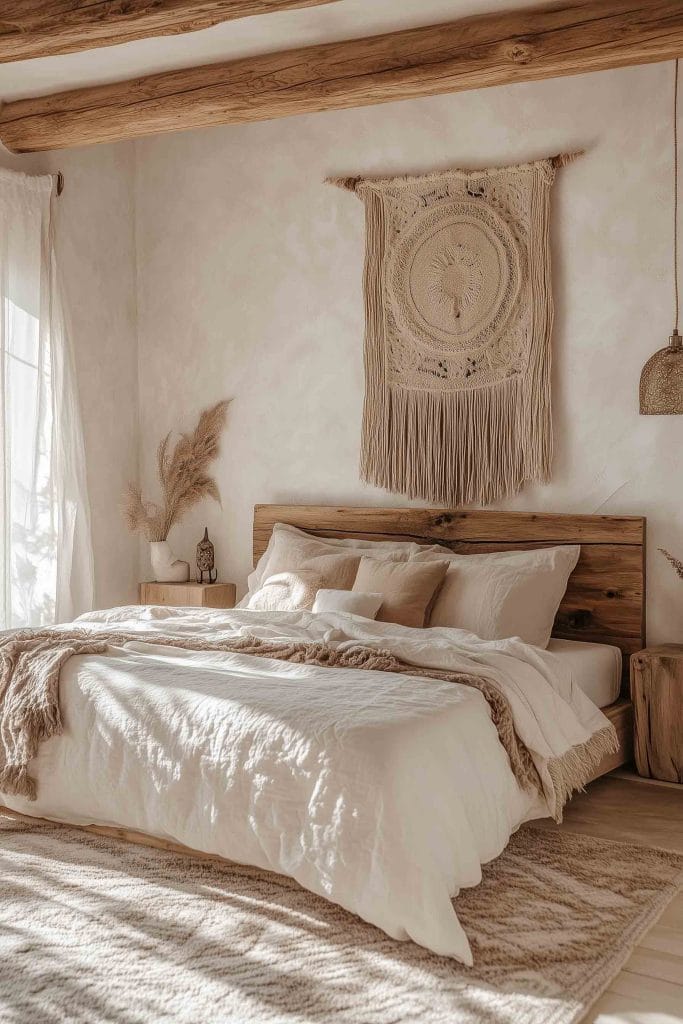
458 448
570 772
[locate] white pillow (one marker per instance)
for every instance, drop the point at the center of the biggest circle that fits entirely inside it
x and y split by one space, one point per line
290 549
350 601
286 592
505 593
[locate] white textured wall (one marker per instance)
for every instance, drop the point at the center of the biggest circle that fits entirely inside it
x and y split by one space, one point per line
96 247
249 284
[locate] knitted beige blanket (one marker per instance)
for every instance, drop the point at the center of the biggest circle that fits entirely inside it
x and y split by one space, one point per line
31 662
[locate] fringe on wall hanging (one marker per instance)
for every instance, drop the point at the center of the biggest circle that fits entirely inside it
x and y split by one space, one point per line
458 318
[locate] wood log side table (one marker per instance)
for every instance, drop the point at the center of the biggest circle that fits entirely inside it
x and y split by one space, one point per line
196 595
657 695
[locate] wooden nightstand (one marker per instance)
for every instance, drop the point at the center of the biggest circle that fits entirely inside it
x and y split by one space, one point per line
657 695
195 595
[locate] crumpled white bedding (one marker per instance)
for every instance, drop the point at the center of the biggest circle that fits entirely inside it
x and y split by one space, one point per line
384 793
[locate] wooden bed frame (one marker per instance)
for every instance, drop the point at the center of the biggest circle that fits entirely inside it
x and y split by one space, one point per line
605 598
604 602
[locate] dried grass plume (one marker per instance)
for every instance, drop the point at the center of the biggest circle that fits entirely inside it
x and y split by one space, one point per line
183 476
676 562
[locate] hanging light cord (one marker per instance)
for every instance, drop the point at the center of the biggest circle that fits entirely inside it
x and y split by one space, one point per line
676 196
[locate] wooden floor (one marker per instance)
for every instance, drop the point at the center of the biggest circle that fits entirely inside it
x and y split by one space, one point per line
650 988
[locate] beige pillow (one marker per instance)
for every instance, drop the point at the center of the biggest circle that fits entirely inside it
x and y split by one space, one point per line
350 601
290 549
407 588
286 592
505 593
337 572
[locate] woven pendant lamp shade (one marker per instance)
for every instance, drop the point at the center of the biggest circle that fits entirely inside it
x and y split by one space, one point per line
661 382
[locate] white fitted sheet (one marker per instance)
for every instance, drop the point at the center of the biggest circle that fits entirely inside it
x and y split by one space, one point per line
595 668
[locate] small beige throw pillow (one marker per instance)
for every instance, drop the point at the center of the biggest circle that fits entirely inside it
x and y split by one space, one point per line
350 601
286 592
408 588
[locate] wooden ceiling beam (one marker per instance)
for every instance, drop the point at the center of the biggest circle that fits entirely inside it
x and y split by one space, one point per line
566 38
43 28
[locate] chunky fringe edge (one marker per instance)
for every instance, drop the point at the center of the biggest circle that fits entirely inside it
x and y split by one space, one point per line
39 724
16 781
572 770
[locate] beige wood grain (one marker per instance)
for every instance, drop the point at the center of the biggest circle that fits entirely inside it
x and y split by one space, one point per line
673 916
564 38
657 695
667 967
441 525
626 809
664 939
195 595
605 597
41 28
653 1007
655 991
620 715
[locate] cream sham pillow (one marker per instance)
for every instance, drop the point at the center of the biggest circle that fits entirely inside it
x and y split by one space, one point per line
349 601
407 588
286 592
505 593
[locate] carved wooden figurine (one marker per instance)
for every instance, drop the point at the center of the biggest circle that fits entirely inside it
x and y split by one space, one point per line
205 559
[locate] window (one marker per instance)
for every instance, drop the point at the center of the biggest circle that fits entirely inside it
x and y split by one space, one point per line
45 559
31 545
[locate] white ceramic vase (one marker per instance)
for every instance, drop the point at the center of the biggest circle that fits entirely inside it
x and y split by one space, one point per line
167 568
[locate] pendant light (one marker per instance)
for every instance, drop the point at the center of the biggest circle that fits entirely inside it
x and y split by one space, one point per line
661 382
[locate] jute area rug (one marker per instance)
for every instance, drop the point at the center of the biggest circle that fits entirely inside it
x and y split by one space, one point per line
96 930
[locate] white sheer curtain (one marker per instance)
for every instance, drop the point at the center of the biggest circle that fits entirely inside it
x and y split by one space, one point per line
46 572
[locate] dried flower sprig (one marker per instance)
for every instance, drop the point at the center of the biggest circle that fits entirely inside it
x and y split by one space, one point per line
183 476
676 562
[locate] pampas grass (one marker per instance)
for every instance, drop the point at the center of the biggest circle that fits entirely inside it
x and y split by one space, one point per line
676 562
183 477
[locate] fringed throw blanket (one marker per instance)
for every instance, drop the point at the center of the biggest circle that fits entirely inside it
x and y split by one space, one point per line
458 321
31 661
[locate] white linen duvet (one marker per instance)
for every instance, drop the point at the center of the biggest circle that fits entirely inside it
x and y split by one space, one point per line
384 793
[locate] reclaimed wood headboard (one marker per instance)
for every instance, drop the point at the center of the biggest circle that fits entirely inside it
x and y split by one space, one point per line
605 598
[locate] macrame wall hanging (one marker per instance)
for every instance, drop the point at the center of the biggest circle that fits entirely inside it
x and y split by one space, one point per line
458 317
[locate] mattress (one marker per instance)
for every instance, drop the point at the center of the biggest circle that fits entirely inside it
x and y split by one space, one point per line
595 668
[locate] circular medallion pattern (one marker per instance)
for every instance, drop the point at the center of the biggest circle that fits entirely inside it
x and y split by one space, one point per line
454 276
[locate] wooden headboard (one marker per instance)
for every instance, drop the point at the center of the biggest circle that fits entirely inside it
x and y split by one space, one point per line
605 598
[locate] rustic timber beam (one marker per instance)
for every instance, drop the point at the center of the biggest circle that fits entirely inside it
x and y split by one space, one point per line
565 38
42 28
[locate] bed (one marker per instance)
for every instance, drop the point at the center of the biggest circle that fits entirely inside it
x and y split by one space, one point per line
605 598
320 770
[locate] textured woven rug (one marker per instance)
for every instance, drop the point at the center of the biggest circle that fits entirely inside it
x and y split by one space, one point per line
96 930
